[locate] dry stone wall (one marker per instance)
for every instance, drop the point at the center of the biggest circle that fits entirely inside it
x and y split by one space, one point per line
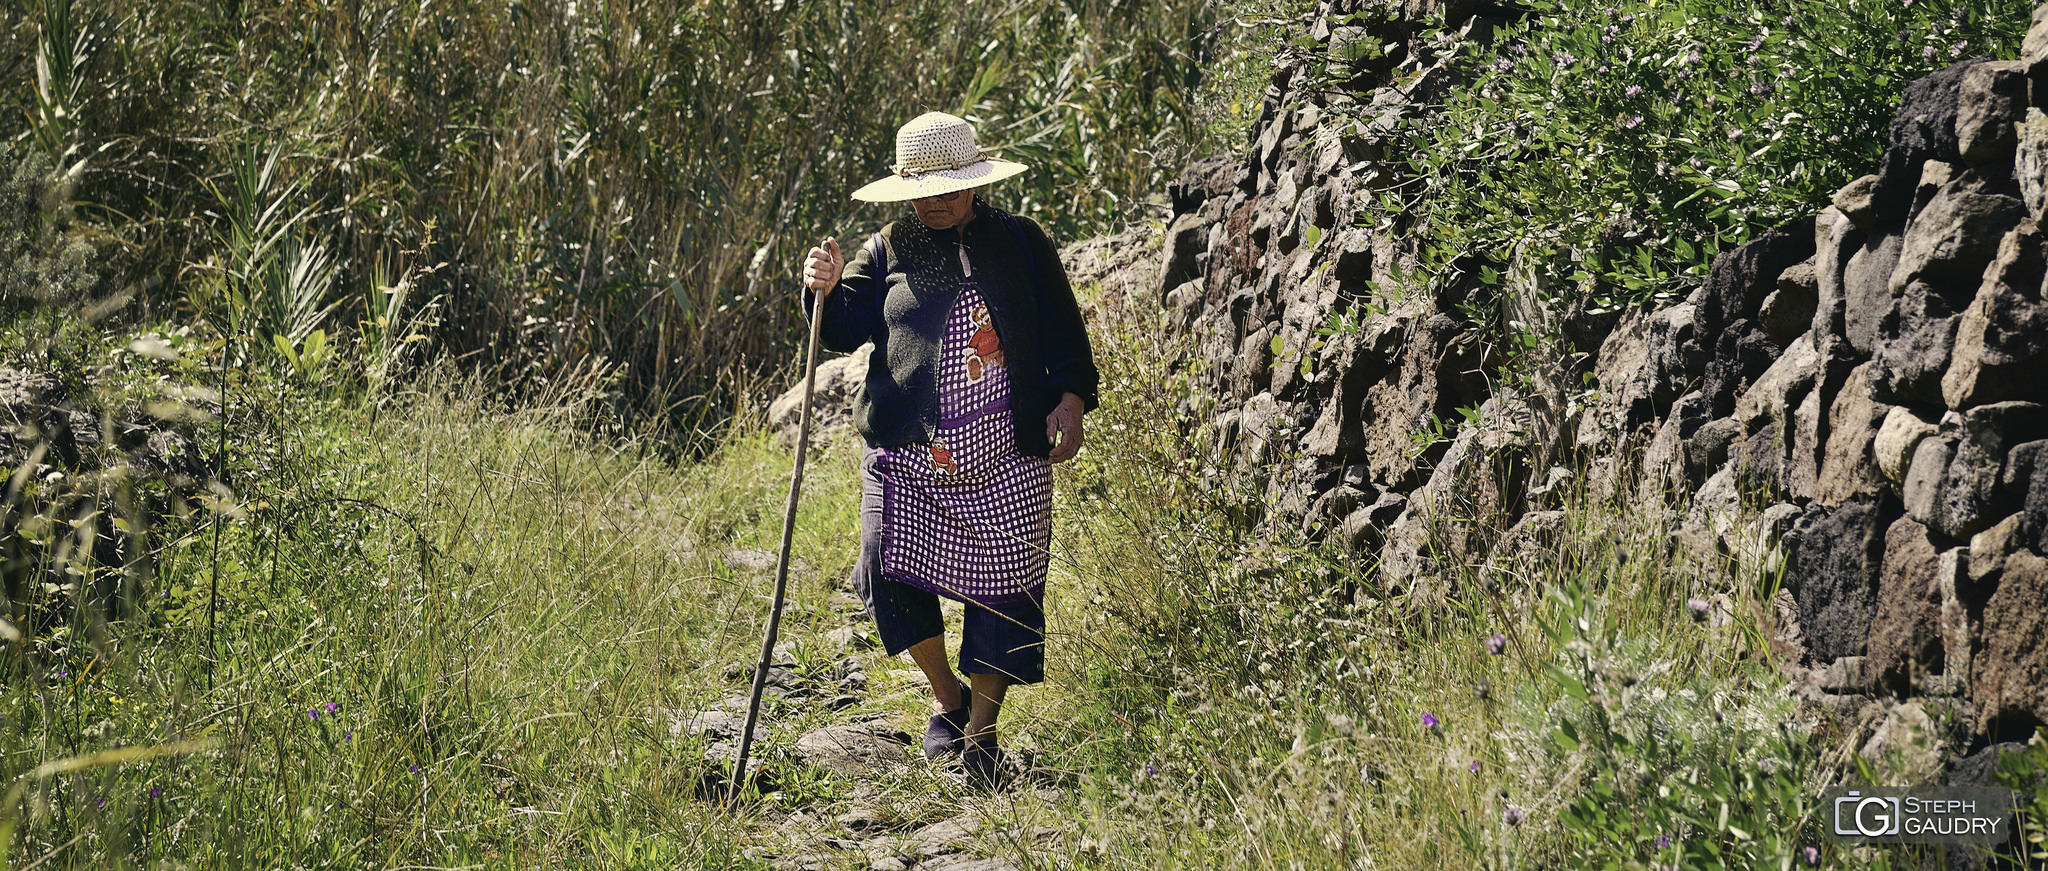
1864 392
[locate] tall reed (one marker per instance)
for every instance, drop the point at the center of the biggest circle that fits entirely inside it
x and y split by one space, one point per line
575 182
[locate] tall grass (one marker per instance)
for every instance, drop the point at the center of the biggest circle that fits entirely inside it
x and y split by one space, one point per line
446 635
578 182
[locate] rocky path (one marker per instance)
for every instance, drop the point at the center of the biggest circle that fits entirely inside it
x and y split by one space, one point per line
836 755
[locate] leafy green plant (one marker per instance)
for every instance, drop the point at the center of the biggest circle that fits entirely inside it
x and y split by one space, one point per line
1705 775
1613 148
2027 772
44 261
270 285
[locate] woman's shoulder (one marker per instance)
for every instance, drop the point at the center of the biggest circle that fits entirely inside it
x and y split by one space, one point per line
882 241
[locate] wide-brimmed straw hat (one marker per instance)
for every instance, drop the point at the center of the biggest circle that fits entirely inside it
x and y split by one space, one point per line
936 154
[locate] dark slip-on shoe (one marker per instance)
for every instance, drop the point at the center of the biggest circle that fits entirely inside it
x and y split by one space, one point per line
946 732
985 763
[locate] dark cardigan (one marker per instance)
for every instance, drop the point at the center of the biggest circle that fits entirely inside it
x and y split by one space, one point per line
1045 343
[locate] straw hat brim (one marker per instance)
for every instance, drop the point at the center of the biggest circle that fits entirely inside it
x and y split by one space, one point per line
896 188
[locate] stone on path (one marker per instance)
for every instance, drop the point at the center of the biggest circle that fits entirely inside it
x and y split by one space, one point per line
720 724
853 749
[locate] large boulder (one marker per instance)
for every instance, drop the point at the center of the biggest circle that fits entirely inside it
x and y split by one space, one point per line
839 380
1994 96
2003 334
1788 310
1952 238
1913 347
1834 556
1897 438
1728 304
1926 473
1974 494
1867 286
1905 644
2034 509
2030 164
1924 129
2009 683
1847 468
1837 239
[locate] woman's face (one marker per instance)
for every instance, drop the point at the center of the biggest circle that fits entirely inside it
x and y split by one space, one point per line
945 211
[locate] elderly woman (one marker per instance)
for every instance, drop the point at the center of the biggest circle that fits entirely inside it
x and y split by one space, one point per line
980 374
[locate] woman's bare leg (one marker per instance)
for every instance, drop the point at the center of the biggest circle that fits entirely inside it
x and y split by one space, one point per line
930 655
989 690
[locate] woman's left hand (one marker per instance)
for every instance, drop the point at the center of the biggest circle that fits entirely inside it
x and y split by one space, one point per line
1063 428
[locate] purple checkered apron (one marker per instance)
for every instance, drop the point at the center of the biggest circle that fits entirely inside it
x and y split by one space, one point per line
965 516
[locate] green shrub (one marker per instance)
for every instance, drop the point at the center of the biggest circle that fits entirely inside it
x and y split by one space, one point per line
1610 149
42 262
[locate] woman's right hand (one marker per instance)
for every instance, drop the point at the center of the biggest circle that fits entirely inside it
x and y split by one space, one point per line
822 267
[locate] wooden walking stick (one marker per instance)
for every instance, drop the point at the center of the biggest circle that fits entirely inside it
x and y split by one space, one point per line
796 486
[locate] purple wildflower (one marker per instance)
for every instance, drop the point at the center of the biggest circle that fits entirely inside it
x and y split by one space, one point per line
1514 816
1429 720
1503 64
334 707
1789 21
1957 49
1812 855
1663 841
1625 19
1602 69
412 769
1475 766
312 713
1733 134
1564 59
1632 91
1697 606
1607 35
1519 49
1497 643
1759 89
1756 43
349 735
1629 122
102 805
1692 59
1927 52
156 792
1150 771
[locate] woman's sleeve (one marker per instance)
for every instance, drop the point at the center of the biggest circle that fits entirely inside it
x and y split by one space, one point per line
1063 335
854 307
